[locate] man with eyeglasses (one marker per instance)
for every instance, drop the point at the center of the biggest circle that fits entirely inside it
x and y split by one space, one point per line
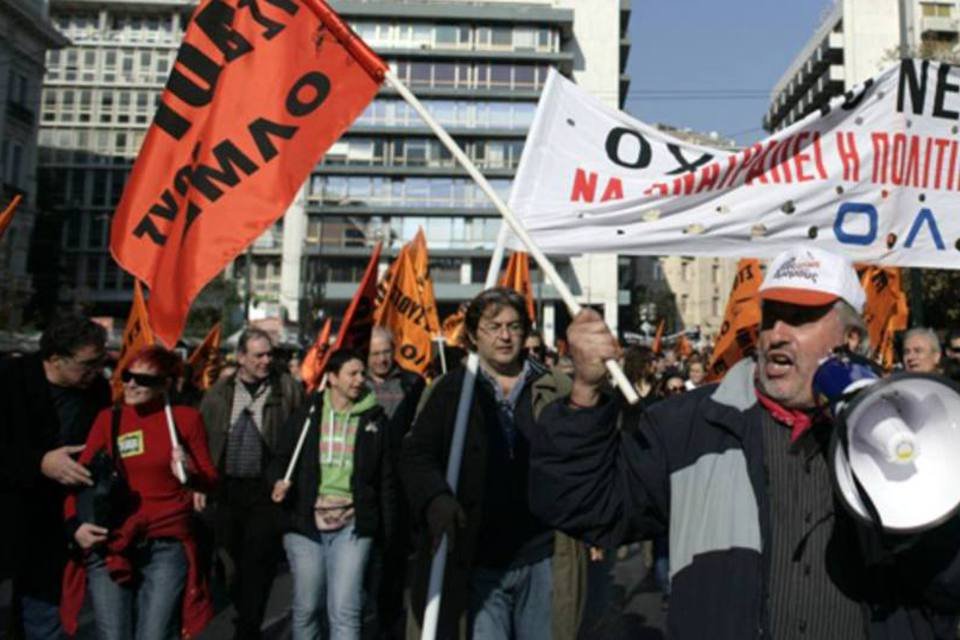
245 415
47 407
508 574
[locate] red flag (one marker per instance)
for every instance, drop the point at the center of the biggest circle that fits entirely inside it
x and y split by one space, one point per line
7 216
311 369
517 277
358 320
136 336
258 92
205 359
658 338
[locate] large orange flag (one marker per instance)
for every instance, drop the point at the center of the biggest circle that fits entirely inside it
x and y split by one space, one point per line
886 311
136 336
658 337
258 92
205 359
403 309
454 329
7 216
357 322
420 259
517 277
741 321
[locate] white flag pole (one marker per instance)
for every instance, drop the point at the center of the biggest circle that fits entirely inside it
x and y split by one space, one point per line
180 472
508 216
303 433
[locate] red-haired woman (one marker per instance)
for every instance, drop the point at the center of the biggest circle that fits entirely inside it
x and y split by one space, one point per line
142 573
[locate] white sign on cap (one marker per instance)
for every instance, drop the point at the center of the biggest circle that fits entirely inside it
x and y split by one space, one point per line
874 176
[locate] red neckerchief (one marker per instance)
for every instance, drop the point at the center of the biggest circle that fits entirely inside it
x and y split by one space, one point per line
798 421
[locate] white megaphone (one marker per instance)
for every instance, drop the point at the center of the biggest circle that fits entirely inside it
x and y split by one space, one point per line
895 454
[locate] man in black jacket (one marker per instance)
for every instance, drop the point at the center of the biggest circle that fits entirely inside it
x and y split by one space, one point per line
48 404
737 474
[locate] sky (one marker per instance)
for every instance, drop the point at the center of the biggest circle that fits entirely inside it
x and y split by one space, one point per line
710 64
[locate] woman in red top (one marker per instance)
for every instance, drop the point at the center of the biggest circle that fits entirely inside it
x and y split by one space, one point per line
142 575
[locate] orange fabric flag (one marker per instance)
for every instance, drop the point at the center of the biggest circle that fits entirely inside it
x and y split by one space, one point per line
517 277
454 330
311 369
886 311
420 258
358 320
741 321
658 337
205 359
257 93
137 335
684 350
7 216
403 310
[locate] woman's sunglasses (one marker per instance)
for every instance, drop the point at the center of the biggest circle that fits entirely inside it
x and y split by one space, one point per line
143 379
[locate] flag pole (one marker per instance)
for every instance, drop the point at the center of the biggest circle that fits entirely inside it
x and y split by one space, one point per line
303 433
508 216
180 472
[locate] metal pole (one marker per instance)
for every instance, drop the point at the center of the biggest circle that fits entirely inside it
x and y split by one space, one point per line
248 287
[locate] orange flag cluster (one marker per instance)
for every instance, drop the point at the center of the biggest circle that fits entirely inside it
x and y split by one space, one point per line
205 359
407 306
886 311
741 321
137 335
311 369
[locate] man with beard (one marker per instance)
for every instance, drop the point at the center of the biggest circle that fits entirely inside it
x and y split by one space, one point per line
737 475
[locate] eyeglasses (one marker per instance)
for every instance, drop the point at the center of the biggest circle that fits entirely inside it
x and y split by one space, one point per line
143 379
494 329
672 390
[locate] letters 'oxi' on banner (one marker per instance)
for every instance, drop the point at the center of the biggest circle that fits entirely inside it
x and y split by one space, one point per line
874 175
258 92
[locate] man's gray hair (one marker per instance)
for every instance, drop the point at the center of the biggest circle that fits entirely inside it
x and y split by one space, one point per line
927 333
853 321
252 333
383 332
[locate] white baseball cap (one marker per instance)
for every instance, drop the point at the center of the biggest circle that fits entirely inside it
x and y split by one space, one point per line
810 276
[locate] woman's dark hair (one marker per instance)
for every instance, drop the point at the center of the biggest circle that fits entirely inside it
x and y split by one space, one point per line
637 364
69 333
497 297
166 363
341 357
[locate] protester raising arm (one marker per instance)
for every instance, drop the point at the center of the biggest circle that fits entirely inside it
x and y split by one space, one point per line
594 474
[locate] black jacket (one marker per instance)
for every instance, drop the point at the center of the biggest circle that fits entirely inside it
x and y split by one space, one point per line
399 424
33 541
694 465
373 483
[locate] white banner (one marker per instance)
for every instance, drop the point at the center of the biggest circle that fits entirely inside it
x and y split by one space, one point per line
874 176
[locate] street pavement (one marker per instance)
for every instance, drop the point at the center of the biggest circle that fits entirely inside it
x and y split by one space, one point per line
622 604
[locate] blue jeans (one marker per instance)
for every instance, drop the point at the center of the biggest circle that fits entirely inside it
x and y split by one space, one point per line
327 573
149 607
512 603
41 619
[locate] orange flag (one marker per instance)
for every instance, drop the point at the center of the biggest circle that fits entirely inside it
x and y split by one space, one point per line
658 337
404 310
136 336
420 259
205 359
886 311
517 277
7 216
454 329
311 368
741 321
357 322
683 346
222 161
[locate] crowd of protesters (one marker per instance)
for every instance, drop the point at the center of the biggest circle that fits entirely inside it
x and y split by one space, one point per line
106 503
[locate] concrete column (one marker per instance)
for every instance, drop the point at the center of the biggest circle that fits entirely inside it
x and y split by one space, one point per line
549 328
466 271
294 231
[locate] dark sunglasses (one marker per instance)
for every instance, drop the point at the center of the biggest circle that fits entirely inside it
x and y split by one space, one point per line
675 389
143 379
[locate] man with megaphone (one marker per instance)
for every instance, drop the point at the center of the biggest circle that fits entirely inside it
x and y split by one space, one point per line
765 542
